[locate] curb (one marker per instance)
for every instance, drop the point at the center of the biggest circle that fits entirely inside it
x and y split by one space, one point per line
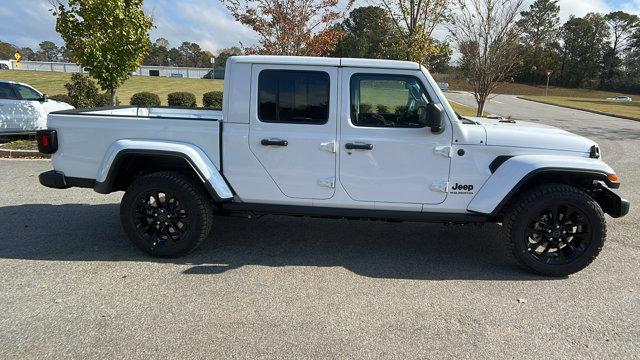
22 154
581 109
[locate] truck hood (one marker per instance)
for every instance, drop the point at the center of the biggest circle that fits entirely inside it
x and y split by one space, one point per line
531 135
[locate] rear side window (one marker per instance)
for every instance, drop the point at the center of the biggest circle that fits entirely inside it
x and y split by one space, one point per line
286 96
6 92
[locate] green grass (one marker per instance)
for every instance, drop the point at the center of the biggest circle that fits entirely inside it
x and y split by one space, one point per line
462 109
52 83
630 109
534 90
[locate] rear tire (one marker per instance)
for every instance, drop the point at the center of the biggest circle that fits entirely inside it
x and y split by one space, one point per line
554 229
166 214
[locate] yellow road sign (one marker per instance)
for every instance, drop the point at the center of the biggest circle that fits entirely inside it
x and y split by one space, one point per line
17 56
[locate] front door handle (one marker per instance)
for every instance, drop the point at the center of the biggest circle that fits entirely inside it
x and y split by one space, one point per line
274 142
352 146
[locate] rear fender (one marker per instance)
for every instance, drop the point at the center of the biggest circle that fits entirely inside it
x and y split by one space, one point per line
509 177
197 159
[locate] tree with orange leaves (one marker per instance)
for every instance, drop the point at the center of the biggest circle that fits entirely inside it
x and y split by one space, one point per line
291 27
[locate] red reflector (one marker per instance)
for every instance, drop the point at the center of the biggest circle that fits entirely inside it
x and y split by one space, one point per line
45 140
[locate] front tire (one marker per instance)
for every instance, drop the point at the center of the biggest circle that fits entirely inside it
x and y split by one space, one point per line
166 214
554 229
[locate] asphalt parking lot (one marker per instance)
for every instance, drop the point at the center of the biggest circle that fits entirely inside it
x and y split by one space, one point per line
278 287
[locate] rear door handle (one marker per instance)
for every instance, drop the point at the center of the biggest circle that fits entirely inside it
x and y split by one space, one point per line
352 146
274 142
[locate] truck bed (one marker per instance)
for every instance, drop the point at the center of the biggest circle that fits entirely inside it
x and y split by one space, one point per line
85 135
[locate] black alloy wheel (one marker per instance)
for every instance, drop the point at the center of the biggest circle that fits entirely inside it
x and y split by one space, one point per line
554 229
559 235
166 214
160 218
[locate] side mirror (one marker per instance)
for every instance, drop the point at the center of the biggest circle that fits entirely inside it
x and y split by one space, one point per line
434 113
44 98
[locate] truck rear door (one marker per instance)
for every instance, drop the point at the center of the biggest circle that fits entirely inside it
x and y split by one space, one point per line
293 127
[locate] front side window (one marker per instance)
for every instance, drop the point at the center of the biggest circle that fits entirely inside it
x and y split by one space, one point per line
286 96
395 101
6 92
27 93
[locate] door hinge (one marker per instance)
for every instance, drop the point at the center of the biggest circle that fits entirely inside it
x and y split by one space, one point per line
329 182
443 150
440 185
329 146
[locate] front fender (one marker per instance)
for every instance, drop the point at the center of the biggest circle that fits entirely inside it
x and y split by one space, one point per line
199 161
513 173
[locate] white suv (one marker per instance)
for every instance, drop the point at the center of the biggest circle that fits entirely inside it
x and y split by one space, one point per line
23 109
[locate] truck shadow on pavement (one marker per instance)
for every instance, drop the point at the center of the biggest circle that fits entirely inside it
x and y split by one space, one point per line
76 232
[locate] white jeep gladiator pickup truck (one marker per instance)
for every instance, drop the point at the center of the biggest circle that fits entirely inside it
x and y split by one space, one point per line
347 138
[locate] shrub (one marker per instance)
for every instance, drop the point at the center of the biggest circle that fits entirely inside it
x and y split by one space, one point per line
212 99
104 100
145 99
366 108
82 91
183 99
61 97
383 109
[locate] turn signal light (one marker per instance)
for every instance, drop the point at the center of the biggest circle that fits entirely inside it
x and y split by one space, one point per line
613 178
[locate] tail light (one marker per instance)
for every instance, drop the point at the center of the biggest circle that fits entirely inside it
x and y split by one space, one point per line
47 141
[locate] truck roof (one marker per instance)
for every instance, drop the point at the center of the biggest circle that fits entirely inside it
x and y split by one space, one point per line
325 61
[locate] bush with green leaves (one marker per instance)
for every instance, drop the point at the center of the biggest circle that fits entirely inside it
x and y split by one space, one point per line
212 99
182 99
104 100
145 99
61 97
82 91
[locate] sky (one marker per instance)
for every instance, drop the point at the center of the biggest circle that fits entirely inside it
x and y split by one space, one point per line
207 22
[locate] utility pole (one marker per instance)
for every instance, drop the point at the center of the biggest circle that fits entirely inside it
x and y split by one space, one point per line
548 72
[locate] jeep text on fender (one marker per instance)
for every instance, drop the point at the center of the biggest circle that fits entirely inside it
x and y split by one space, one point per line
328 137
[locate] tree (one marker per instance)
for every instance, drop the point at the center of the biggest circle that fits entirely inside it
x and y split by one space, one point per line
175 57
111 38
539 27
224 54
291 27
162 42
157 56
369 33
631 65
584 45
7 50
622 26
48 51
194 56
438 58
487 39
415 23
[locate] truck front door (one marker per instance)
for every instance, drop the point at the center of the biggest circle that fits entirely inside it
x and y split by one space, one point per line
387 153
293 127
